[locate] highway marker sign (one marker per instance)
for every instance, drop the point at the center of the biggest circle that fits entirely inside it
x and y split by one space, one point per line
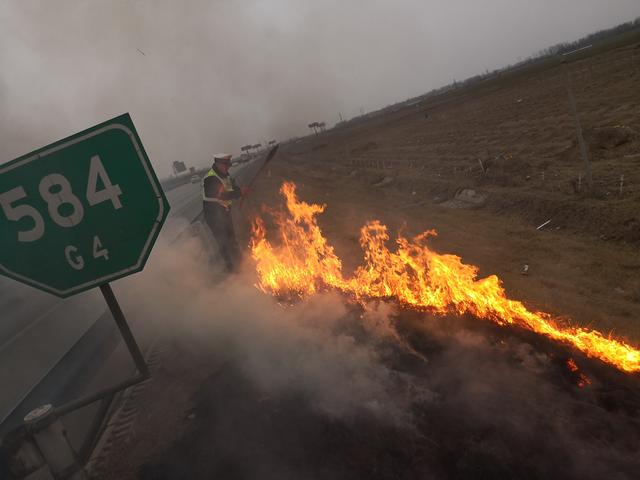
81 212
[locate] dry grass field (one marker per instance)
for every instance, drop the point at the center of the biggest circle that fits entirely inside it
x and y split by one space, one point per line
485 167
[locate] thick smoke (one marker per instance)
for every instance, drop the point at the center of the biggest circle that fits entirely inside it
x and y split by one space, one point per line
308 346
486 401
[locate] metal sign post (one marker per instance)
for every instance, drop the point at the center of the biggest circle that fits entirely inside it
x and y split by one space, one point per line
40 446
75 215
121 321
132 346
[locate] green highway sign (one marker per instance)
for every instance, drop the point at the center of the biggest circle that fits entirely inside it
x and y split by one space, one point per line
81 212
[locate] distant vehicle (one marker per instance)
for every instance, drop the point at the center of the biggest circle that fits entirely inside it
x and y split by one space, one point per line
195 179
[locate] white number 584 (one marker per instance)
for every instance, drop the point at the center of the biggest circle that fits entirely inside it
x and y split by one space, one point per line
56 190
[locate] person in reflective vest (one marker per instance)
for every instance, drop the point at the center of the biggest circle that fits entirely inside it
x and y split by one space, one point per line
219 191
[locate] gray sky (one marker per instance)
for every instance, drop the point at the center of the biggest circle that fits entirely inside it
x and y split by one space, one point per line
221 73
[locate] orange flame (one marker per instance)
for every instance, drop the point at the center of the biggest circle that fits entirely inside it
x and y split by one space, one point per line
304 263
583 380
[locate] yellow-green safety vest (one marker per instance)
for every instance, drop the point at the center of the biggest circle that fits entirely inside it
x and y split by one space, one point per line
226 183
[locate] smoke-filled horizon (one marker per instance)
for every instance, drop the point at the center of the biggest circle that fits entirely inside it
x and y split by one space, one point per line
206 76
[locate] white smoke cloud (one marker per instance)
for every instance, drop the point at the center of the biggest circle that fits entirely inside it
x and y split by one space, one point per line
488 400
307 347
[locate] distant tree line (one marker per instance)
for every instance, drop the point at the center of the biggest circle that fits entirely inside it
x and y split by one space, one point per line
599 36
315 126
549 52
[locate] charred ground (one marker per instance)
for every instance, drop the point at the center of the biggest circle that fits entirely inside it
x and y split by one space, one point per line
484 402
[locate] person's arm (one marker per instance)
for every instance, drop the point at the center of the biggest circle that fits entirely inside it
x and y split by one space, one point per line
232 195
213 188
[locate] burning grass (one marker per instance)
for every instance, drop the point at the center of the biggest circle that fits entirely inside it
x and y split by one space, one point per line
303 262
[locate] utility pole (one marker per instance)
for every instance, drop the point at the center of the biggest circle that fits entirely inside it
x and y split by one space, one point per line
584 152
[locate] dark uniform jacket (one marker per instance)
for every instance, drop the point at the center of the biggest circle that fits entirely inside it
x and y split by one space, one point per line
214 188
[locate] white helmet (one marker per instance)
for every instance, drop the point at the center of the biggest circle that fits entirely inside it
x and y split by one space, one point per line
222 157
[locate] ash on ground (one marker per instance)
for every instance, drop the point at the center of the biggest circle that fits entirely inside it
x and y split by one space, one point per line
481 402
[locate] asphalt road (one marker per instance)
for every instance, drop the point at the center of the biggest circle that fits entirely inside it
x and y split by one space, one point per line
37 329
51 349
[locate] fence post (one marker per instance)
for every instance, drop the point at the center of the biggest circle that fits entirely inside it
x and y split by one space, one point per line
621 183
584 153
